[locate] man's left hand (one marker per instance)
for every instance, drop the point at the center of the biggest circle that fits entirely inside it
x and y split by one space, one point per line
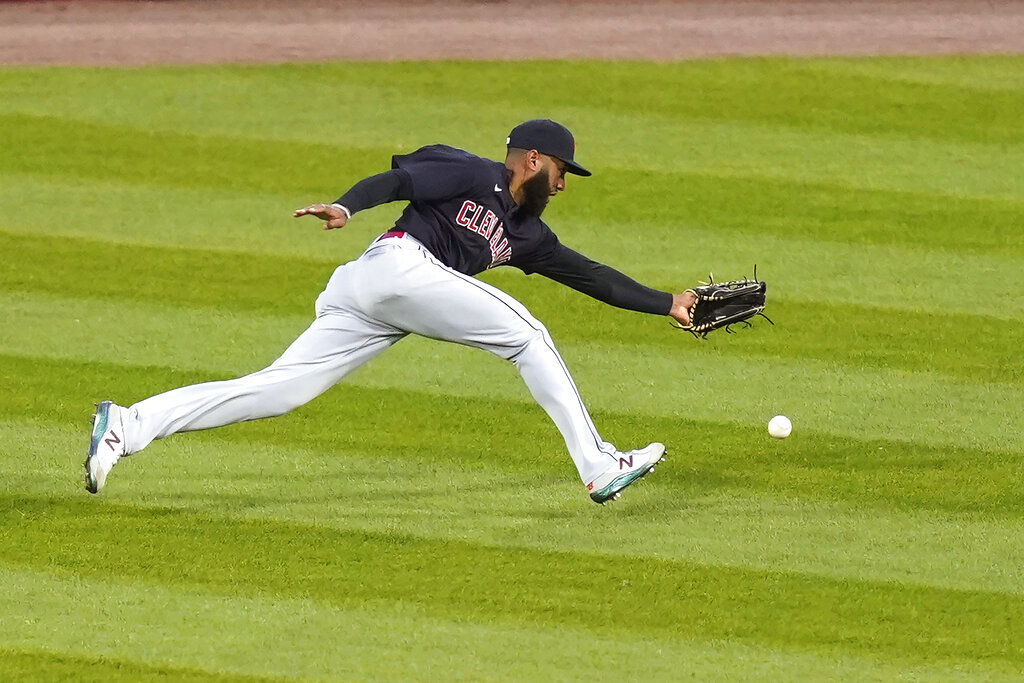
681 304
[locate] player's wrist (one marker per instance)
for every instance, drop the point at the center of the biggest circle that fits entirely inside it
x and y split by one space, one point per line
344 209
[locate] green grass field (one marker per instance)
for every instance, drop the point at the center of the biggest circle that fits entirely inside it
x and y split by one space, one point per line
422 520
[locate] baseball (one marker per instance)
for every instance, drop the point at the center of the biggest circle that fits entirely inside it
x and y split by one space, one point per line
780 426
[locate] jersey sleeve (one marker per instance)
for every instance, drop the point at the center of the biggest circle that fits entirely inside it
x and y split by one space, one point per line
439 172
601 282
379 189
544 247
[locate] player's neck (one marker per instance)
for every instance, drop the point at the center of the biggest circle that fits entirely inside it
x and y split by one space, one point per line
515 184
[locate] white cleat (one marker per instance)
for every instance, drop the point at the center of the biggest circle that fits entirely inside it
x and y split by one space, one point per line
630 467
106 445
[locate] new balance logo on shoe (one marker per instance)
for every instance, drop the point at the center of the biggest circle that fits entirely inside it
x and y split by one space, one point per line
633 465
106 424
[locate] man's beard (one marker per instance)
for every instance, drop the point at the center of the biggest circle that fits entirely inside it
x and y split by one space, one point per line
536 194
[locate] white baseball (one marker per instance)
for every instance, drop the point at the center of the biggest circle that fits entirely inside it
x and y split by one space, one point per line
780 426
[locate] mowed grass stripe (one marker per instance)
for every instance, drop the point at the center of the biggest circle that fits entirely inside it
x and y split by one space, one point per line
238 222
456 580
661 204
858 161
232 341
818 270
179 276
456 431
23 664
751 206
965 72
65 149
826 269
245 296
222 633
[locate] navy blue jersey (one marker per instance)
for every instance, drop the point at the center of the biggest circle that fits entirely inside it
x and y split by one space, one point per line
462 211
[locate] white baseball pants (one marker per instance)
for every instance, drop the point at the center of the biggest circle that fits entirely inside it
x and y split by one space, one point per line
395 288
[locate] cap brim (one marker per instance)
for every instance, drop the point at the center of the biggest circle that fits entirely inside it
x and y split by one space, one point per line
576 169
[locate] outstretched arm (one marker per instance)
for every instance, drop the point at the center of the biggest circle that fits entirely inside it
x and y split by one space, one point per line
612 287
373 191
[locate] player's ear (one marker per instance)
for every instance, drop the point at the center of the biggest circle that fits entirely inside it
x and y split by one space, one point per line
533 160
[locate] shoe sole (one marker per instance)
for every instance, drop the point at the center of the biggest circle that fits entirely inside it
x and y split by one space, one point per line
102 412
614 495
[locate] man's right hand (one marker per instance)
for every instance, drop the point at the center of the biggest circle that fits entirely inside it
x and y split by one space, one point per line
334 217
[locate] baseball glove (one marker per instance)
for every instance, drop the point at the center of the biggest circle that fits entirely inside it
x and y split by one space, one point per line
723 304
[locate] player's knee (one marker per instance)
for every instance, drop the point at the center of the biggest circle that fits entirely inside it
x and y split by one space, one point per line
528 337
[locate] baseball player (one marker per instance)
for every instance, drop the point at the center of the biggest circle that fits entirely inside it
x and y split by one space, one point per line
465 214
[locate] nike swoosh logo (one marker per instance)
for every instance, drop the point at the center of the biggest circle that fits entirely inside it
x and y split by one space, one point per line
497 188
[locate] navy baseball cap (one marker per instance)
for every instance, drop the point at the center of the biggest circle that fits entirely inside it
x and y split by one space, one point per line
547 137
